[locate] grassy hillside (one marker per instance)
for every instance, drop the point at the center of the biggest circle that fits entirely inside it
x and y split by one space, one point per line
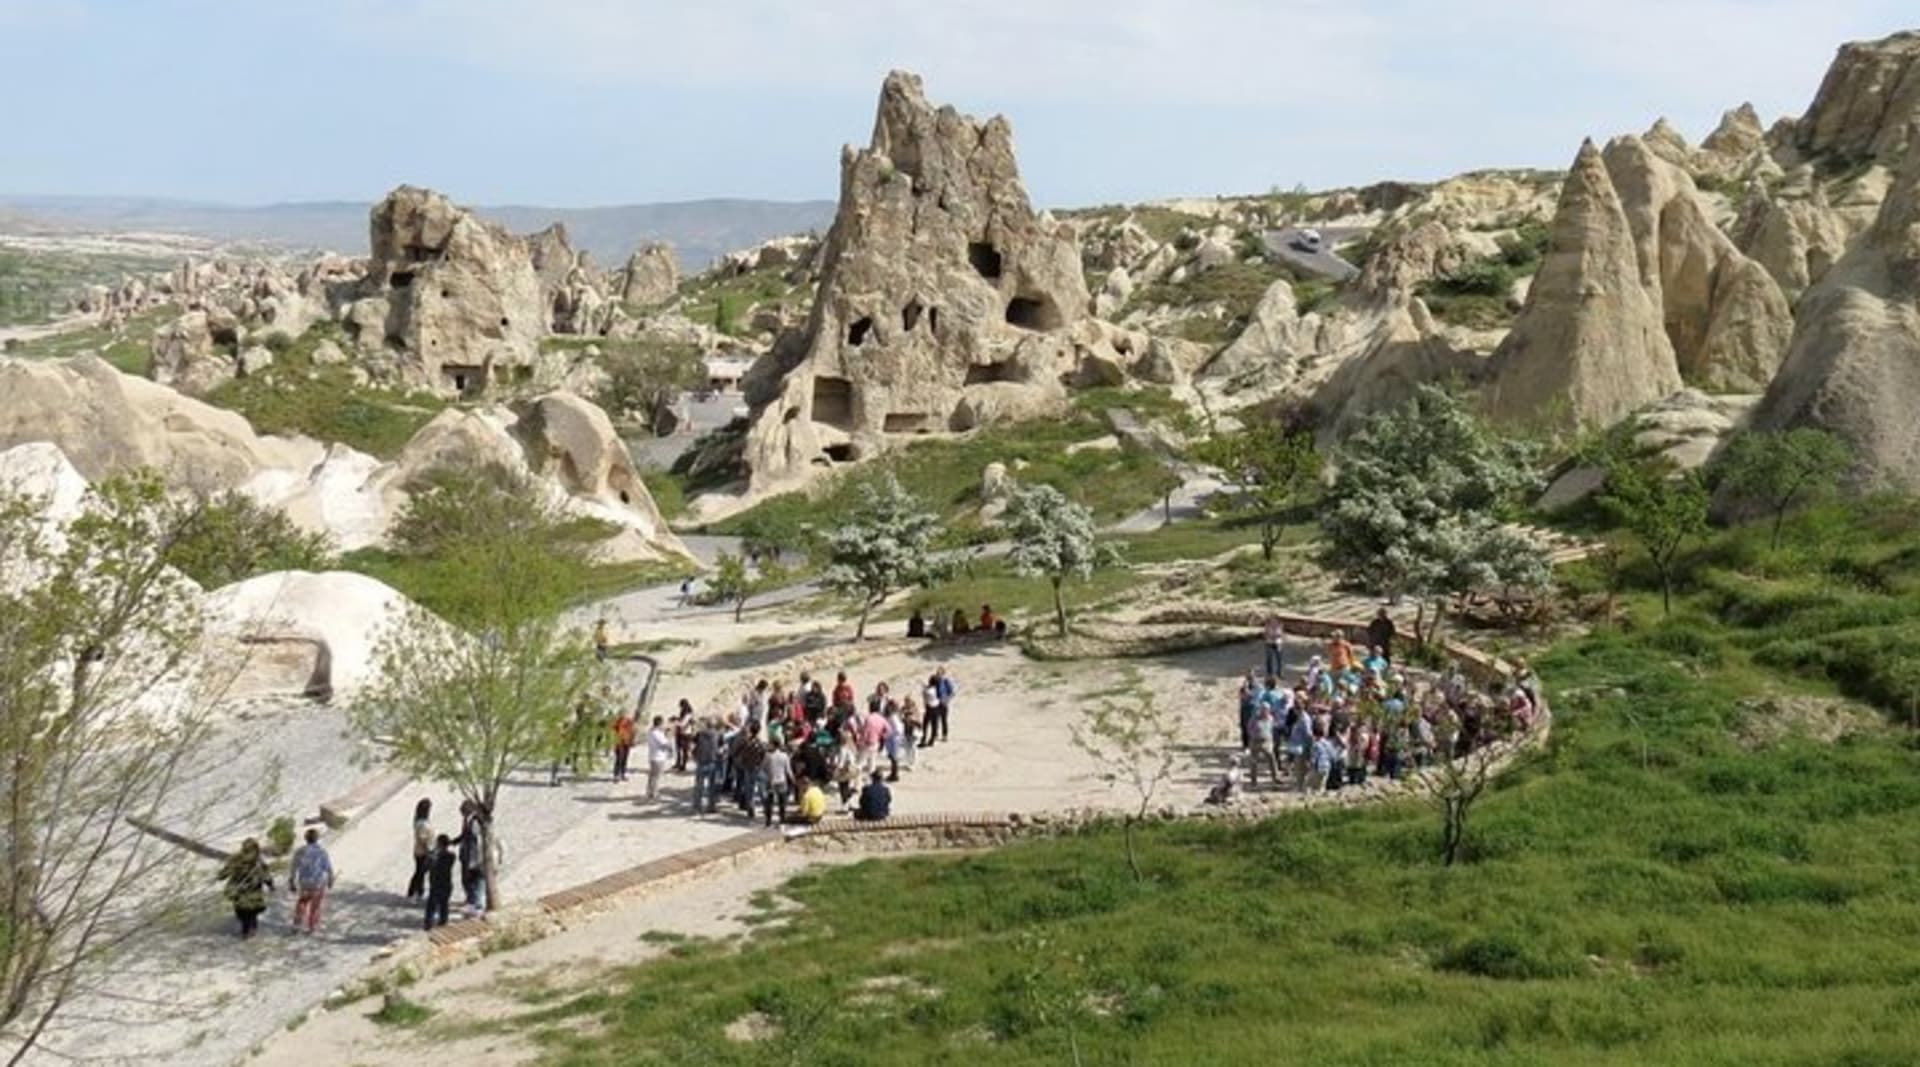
1660 886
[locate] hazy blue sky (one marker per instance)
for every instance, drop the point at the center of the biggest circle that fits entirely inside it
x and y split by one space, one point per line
578 102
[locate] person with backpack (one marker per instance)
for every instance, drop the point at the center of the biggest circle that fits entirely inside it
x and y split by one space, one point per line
439 881
312 877
247 882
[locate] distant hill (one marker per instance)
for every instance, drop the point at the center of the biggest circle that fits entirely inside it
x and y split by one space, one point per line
700 230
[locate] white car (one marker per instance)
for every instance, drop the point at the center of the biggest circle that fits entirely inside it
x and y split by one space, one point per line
1308 241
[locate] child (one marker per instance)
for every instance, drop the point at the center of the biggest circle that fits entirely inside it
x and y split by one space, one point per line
439 881
1222 791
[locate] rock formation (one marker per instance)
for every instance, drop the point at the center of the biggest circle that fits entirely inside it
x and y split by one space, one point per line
293 633
1589 346
1796 240
1853 367
652 276
1867 103
106 422
456 300
1727 319
1738 137
1365 351
944 300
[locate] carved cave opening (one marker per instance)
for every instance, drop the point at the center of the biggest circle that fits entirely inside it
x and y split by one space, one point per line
833 402
985 259
859 330
1033 313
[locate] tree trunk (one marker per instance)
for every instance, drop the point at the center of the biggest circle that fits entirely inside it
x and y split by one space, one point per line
1133 859
1269 536
1059 607
1779 517
860 631
1666 593
490 849
739 605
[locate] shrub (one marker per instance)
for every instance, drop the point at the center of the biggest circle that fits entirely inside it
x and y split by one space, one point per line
230 538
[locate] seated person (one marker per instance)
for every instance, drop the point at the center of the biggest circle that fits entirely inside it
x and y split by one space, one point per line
813 802
987 621
917 625
876 800
959 622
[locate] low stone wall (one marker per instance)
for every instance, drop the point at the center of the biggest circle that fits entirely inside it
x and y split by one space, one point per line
1481 667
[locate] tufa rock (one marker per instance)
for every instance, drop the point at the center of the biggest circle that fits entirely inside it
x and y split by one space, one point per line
1867 103
1589 346
1853 367
652 276
457 299
944 300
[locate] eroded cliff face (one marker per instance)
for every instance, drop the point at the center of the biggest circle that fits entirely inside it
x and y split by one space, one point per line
945 301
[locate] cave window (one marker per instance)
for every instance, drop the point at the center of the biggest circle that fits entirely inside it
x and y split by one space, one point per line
910 315
1030 313
907 422
985 259
467 380
624 498
840 453
446 294
503 322
986 373
933 320
833 402
858 332
419 253
401 279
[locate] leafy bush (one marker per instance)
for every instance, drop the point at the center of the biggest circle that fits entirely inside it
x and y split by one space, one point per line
229 538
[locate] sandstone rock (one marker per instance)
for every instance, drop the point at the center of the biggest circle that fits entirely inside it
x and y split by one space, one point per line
1668 143
253 360
303 634
1114 293
1409 257
185 356
573 442
1590 346
1212 253
1738 137
1867 103
652 276
1795 240
107 422
463 299
944 300
328 354
1854 365
1727 320
39 469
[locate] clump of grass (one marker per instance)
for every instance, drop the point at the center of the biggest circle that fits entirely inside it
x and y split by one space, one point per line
399 1010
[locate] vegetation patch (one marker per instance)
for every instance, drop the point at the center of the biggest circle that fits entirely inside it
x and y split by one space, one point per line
297 396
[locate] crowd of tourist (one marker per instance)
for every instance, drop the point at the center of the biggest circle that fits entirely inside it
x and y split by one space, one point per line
1352 712
790 752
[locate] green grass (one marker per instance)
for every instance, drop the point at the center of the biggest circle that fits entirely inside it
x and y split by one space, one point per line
1648 890
669 492
435 582
296 396
1236 287
723 303
945 473
396 1010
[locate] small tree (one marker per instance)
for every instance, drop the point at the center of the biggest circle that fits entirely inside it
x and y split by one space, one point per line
1268 470
1419 506
229 538
646 377
104 700
1454 786
1136 745
1778 471
1662 511
1054 538
884 548
469 701
735 580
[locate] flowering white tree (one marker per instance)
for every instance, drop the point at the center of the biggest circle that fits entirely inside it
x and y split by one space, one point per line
887 546
1418 507
1054 538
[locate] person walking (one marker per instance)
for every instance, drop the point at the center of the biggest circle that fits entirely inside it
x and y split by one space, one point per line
312 877
777 772
439 881
602 641
659 752
247 883
625 732
422 846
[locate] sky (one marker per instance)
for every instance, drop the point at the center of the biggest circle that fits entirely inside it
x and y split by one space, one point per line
574 103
